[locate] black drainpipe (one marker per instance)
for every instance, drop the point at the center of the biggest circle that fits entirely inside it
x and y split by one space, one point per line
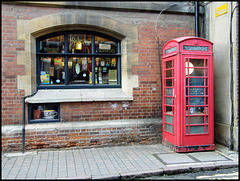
24 120
196 19
231 81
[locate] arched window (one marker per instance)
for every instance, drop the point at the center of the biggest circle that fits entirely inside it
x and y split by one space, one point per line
77 59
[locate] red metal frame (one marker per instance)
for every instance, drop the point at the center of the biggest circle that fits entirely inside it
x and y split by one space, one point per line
188 109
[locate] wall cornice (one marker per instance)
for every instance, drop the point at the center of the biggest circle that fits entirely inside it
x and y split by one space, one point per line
149 6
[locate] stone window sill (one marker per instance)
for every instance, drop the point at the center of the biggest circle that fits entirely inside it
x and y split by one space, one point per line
79 95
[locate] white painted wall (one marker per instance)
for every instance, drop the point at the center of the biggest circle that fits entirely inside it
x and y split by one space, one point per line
219 34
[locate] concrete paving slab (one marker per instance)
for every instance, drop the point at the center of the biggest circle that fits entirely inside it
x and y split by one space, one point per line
173 158
207 156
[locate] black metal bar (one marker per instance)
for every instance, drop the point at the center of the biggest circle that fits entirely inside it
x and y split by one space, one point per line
197 19
24 120
231 82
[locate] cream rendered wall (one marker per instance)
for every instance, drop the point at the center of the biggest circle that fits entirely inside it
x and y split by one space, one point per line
219 34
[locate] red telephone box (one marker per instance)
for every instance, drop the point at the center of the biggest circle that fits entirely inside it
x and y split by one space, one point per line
188 114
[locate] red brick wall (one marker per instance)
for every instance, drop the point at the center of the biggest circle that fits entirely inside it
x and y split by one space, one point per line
147 97
96 111
11 96
117 134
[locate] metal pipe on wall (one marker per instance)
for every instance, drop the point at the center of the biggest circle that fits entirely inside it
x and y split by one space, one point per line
196 19
231 81
24 120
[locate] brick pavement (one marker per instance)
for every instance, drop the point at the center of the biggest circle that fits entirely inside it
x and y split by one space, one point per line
108 162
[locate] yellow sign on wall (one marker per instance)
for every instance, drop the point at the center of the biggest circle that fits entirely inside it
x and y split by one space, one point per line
221 10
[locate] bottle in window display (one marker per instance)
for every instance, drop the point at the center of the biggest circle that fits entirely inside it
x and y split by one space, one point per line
97 61
90 77
113 63
89 64
102 63
100 75
84 64
96 79
85 73
108 62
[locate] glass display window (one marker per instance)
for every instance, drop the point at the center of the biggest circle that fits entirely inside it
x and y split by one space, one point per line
52 45
80 70
78 59
52 71
105 46
41 113
79 43
106 71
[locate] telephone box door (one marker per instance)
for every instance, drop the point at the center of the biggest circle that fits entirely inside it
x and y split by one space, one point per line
198 123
